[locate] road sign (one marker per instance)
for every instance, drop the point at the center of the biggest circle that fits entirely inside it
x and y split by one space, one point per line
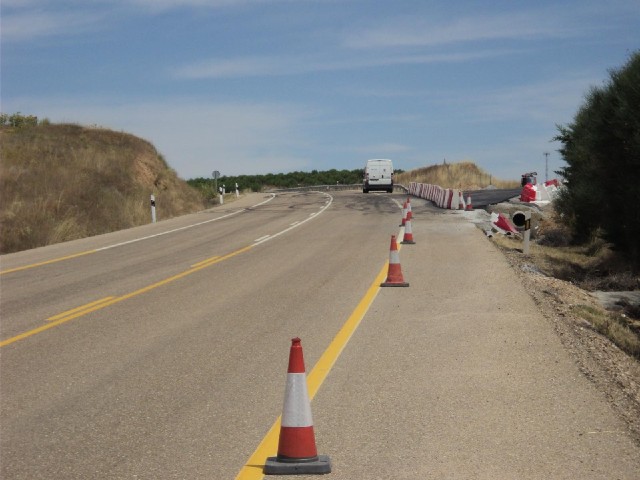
215 174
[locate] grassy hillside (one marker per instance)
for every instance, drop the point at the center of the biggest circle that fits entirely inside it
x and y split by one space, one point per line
463 175
63 182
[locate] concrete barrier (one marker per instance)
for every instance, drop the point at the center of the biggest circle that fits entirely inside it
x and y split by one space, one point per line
447 198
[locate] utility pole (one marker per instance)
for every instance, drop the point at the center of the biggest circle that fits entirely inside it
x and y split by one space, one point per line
546 166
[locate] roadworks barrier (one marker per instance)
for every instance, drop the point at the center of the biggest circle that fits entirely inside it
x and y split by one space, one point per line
448 198
297 452
542 193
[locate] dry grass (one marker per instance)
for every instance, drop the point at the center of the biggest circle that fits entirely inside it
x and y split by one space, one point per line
63 182
463 175
620 329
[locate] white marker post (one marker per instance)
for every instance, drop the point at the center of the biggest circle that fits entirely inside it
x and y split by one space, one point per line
237 192
153 208
221 196
522 220
527 233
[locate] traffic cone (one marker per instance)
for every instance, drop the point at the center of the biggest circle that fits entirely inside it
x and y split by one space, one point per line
408 204
297 453
469 205
460 201
404 214
394 273
408 233
505 224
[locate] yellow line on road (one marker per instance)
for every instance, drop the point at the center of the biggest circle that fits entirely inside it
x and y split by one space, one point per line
268 447
205 262
63 317
53 260
89 307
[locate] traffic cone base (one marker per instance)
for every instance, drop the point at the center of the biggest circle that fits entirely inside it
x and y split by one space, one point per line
394 284
282 466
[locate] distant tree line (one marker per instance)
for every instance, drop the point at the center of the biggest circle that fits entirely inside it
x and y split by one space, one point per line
257 183
18 120
601 148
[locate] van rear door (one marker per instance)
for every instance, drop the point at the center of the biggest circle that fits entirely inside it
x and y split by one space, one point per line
378 175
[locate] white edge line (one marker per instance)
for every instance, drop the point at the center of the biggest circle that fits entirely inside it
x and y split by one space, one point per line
183 228
258 242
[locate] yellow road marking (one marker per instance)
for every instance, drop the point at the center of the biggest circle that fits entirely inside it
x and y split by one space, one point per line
54 260
268 447
89 307
204 262
107 301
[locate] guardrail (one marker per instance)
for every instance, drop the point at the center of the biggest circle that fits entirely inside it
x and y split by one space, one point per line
338 187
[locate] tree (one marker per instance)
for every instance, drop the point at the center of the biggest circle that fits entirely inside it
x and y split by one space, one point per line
602 151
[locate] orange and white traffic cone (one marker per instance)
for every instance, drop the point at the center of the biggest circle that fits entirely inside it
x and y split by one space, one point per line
404 214
469 205
297 453
408 204
408 233
394 273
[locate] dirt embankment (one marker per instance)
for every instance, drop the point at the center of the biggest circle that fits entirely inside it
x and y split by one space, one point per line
64 182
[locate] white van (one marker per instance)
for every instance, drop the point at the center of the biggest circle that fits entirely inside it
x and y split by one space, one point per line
378 175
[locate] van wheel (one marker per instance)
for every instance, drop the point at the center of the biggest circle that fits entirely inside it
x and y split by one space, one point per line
365 191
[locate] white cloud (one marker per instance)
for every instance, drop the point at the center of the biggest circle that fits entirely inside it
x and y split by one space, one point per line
33 24
293 65
28 19
412 31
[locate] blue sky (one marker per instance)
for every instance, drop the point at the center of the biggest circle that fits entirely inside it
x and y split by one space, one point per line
268 86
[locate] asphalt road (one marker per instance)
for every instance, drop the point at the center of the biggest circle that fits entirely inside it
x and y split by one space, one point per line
486 197
161 352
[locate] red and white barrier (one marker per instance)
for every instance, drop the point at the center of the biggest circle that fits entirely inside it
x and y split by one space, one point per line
444 198
544 192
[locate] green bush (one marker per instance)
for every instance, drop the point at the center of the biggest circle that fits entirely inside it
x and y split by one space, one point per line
602 151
